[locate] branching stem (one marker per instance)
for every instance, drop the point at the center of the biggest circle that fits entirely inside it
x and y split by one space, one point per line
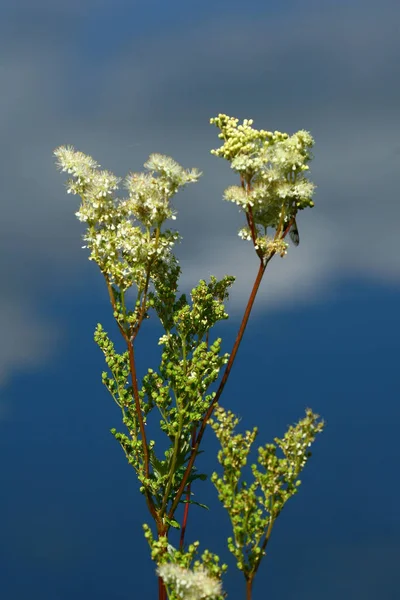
224 379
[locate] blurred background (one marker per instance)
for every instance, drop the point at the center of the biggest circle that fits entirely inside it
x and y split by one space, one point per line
121 79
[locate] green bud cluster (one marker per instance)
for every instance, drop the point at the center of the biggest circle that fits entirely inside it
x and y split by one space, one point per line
240 140
254 508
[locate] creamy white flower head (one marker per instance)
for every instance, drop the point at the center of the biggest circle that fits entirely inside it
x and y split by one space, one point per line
188 584
74 162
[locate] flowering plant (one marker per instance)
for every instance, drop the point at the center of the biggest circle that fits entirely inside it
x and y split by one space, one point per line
128 240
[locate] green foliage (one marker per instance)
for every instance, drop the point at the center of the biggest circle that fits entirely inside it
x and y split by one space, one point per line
189 366
254 508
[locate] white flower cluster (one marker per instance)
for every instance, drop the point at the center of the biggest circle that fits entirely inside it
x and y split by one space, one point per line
122 249
272 168
149 196
188 584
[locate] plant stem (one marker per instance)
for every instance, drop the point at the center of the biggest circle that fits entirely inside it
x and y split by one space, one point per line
249 585
149 499
129 342
164 503
162 592
264 545
138 408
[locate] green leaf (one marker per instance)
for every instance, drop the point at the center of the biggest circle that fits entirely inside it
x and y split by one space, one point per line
194 502
160 467
172 522
201 476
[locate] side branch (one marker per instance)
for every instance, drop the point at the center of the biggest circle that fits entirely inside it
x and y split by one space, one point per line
224 379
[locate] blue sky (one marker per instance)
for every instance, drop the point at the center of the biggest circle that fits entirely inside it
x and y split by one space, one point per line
120 80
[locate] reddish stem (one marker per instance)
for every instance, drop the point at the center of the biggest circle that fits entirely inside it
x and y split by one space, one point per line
138 407
249 585
162 592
